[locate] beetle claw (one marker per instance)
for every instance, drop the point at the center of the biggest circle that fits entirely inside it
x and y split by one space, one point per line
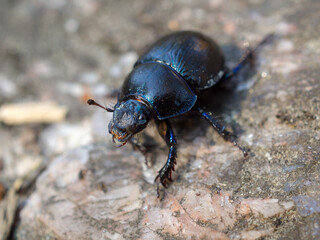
164 182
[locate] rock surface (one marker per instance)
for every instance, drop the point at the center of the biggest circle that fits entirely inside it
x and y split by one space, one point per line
97 192
76 185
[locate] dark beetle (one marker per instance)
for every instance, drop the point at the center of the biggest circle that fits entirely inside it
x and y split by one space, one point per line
164 83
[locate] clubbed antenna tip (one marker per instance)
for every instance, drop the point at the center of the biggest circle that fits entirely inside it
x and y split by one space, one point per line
93 102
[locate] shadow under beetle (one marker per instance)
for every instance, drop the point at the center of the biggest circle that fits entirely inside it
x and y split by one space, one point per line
164 83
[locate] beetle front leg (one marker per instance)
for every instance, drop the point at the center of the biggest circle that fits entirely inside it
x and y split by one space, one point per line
165 173
228 136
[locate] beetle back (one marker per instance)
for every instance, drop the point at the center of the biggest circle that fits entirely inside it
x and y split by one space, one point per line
165 91
197 58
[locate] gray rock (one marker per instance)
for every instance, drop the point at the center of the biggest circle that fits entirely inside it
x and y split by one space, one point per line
66 50
62 137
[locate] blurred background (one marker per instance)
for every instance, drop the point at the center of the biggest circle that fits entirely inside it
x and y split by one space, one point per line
56 54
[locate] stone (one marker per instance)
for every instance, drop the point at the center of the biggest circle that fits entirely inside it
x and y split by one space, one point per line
266 207
85 188
254 234
61 137
69 200
32 112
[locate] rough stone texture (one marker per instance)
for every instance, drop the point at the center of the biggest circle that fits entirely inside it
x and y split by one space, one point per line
110 200
67 51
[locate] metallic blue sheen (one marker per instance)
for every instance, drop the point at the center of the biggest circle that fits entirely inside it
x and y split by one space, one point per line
197 58
172 138
212 120
165 90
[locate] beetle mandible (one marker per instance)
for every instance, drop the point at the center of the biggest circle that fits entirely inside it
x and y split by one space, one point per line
165 82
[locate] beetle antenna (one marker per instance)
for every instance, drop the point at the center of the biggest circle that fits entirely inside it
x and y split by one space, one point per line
93 102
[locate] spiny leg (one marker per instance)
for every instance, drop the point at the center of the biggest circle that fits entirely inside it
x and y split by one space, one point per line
228 136
248 56
165 173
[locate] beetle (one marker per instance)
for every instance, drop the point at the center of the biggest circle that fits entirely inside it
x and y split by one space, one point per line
166 82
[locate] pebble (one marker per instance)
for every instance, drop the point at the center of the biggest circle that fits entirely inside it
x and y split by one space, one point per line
71 25
32 112
255 234
73 89
124 64
265 207
7 87
285 46
62 137
90 78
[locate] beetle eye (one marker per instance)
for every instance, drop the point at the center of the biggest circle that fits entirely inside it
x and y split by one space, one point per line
142 118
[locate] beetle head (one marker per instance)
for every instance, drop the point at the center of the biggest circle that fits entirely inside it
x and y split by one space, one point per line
129 118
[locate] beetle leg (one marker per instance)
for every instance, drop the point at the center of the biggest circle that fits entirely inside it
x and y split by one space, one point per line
142 148
165 173
249 56
228 136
